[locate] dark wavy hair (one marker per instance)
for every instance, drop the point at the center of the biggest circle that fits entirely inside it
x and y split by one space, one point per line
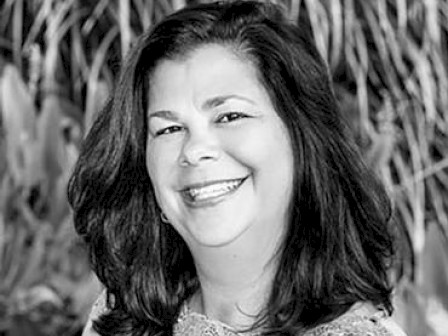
339 242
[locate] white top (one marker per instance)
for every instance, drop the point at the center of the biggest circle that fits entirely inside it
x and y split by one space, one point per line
361 320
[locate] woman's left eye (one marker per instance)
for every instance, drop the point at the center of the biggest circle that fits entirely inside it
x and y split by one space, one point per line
231 116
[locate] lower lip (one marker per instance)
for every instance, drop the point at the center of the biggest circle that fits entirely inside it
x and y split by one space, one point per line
212 200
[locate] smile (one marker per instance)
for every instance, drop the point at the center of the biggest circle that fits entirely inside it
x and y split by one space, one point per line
211 191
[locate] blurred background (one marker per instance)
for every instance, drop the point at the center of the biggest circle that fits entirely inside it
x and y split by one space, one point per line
58 63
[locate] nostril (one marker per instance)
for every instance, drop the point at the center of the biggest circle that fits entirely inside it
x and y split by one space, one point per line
201 145
196 155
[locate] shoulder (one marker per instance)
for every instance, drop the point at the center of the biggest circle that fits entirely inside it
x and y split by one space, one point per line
359 324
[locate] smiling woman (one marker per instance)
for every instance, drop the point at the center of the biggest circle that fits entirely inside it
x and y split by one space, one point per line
219 157
219 193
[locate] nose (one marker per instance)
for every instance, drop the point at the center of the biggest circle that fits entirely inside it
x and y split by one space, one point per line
200 146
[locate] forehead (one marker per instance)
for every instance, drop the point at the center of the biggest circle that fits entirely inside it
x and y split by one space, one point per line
206 68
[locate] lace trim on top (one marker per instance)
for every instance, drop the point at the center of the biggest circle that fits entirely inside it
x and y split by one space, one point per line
352 324
357 322
191 323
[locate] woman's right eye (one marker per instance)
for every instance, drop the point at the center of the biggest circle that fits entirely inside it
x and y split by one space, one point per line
169 130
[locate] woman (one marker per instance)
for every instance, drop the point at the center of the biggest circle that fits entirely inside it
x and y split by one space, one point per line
219 193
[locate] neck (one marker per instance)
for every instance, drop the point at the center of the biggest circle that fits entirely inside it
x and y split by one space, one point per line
235 281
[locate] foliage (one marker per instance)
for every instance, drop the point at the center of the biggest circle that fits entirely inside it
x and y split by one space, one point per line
58 62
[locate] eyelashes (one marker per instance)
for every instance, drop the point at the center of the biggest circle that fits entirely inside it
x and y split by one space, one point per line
168 130
223 118
231 116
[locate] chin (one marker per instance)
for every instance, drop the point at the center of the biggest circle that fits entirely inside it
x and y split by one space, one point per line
221 236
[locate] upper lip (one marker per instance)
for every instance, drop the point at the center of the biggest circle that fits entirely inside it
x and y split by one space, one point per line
208 183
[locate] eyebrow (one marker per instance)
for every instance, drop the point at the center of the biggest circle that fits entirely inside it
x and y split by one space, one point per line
165 114
208 104
219 100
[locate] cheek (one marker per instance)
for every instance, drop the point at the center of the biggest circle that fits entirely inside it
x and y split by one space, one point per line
281 156
247 145
158 167
151 163
161 158
264 149
273 167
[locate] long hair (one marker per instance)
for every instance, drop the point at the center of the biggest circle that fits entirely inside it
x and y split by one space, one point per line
338 246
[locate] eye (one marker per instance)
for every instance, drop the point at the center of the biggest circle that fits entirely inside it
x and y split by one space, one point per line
169 130
231 116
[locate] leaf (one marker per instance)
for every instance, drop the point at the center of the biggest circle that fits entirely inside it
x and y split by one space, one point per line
434 266
125 27
437 316
19 125
97 89
50 137
410 311
98 92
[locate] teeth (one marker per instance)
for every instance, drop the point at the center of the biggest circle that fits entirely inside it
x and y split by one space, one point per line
214 190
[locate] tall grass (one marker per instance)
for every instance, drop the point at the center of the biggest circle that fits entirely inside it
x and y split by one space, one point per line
58 62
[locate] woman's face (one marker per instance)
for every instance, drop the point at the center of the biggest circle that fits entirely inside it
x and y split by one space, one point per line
218 155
